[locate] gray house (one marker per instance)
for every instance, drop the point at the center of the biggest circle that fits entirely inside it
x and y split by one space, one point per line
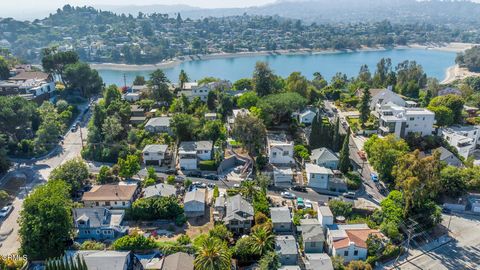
178 261
281 219
194 203
103 259
323 157
159 125
160 190
99 223
239 215
286 247
312 235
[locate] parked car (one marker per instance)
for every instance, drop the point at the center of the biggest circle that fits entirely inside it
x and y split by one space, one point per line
308 204
236 185
300 203
171 171
194 174
350 195
179 178
362 155
6 210
288 195
211 176
374 177
202 185
299 188
211 185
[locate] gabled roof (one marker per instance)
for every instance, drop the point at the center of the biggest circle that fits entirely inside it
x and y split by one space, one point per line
30 75
178 261
238 209
314 168
102 259
163 121
110 193
280 214
286 245
444 153
192 146
155 148
312 231
323 154
325 211
356 234
197 195
162 190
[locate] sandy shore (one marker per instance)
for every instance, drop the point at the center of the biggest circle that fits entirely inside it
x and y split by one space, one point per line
450 47
457 73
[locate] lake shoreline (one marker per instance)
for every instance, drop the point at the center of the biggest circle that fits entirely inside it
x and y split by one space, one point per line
449 47
456 72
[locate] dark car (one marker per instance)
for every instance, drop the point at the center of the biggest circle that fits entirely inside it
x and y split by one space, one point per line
299 188
171 171
211 176
194 174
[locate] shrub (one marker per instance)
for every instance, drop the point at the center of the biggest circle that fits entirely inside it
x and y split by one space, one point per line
134 242
92 245
207 165
155 208
180 220
170 179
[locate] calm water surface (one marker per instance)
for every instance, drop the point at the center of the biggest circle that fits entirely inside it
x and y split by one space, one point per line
435 64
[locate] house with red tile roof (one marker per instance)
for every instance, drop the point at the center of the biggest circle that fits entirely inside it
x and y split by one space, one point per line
349 241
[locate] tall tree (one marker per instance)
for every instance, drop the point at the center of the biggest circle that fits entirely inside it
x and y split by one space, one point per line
336 135
213 255
316 132
250 131
81 77
46 221
297 83
139 80
263 79
129 166
364 75
110 94
4 161
74 172
263 240
4 69
344 160
364 106
182 78
55 62
159 86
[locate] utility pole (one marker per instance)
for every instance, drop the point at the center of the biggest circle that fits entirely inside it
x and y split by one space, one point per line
125 80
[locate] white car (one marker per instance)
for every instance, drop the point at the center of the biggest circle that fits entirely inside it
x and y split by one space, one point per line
6 210
288 195
236 185
308 204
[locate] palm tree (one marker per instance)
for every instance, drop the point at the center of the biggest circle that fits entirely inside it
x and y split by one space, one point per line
182 78
248 190
262 240
213 255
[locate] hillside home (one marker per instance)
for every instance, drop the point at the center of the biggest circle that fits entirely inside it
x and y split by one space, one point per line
279 149
239 215
318 261
281 219
235 114
190 153
401 121
382 97
324 157
110 196
194 203
31 85
159 125
305 117
287 250
325 215
98 223
463 138
154 154
178 261
160 190
103 259
312 235
318 177
349 241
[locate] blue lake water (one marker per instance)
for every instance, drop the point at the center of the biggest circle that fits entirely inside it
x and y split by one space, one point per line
435 64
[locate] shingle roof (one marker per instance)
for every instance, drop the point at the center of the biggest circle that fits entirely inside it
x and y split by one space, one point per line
178 261
194 146
323 154
312 232
314 168
103 259
30 75
238 209
196 195
163 190
97 216
110 193
162 121
286 245
318 261
280 214
155 148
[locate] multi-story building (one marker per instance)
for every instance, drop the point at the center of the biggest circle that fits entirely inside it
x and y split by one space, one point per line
401 121
464 138
279 149
189 153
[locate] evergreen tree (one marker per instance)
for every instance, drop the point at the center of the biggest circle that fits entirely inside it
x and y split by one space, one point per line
364 107
316 132
344 163
336 136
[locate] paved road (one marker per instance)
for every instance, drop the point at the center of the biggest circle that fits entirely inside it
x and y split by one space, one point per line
37 172
463 252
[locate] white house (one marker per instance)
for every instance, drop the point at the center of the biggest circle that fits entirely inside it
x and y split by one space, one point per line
325 215
110 196
189 153
154 154
192 90
325 158
131 97
282 176
464 138
159 125
305 117
383 97
194 203
279 149
349 241
401 121
318 177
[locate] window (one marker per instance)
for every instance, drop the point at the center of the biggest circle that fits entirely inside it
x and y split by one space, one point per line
355 253
286 153
107 203
146 154
123 203
233 222
313 244
345 253
97 204
412 118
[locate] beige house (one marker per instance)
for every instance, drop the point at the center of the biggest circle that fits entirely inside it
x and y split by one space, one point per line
110 196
